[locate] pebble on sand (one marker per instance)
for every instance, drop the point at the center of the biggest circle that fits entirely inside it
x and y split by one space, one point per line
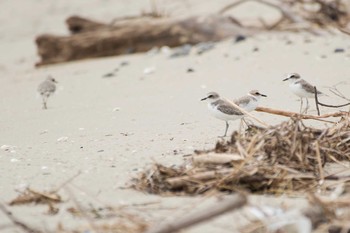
62 139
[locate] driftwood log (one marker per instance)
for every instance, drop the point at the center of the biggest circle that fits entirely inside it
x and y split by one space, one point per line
91 39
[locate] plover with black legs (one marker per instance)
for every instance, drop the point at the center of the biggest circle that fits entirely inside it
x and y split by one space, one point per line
301 88
47 88
222 109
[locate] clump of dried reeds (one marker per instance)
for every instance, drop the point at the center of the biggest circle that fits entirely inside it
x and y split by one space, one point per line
288 157
303 14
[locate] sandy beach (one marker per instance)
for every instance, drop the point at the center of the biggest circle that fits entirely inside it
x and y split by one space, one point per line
111 128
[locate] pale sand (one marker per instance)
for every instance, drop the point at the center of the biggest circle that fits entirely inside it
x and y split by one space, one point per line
159 112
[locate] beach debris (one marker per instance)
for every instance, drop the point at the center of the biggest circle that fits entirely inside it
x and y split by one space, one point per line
144 32
8 148
33 196
131 35
339 50
108 75
149 70
62 139
17 222
320 214
181 51
301 15
229 203
285 158
124 63
240 38
37 197
204 47
278 220
45 131
190 70
153 51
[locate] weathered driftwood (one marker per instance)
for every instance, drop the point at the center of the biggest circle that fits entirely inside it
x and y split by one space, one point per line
227 204
93 39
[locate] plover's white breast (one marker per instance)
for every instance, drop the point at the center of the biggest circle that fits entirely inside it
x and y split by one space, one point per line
298 90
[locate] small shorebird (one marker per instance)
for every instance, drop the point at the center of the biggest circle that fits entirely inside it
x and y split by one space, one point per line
301 88
249 102
47 88
222 109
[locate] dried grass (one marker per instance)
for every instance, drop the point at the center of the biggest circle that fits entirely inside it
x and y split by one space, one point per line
285 158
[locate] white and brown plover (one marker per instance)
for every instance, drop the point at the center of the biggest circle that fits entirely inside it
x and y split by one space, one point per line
301 88
222 109
250 101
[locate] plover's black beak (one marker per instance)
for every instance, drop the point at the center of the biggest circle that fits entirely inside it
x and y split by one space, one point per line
204 98
285 79
263 95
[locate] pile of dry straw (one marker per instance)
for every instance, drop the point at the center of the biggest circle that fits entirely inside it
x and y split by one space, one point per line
289 157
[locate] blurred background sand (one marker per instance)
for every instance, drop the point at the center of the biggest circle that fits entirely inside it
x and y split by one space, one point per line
111 128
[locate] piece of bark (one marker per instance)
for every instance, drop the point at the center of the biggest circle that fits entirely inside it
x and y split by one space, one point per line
227 204
131 36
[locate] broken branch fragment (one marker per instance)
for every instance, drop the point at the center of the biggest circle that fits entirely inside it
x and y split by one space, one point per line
229 203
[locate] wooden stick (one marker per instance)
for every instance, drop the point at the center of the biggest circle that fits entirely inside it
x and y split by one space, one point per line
326 105
176 182
298 115
16 222
318 156
230 203
316 101
50 196
216 158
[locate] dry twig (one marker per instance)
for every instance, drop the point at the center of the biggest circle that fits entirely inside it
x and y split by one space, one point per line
17 222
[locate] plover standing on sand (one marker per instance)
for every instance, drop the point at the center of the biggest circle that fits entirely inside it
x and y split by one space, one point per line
47 88
301 88
222 109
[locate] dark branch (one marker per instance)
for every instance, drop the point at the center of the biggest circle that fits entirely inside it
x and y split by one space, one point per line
316 100
326 105
16 222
